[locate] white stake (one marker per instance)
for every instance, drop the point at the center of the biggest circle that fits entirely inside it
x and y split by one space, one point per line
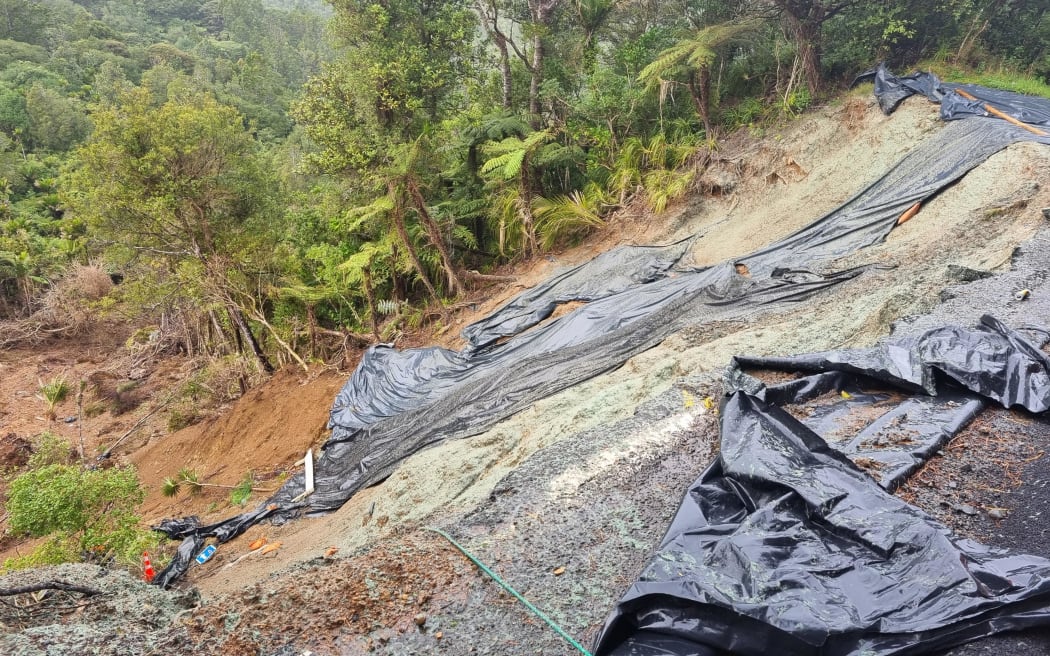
308 461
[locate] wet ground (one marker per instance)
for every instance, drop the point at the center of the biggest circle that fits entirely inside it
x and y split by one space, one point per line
1023 491
567 500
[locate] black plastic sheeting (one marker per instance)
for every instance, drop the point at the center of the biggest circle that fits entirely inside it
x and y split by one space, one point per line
923 423
610 273
892 90
785 546
399 402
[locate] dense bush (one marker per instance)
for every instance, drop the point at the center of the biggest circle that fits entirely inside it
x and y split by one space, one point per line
86 514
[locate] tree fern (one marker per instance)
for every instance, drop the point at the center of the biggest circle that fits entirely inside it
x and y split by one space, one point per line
465 236
692 59
506 166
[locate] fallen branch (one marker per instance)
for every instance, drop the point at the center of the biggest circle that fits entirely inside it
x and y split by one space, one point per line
109 451
49 585
364 340
486 277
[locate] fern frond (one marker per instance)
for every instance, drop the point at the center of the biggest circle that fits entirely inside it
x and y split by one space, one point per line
663 186
566 216
465 236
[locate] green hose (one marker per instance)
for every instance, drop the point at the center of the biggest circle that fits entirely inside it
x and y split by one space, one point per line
495 577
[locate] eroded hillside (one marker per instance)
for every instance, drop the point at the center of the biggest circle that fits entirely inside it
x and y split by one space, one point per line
567 498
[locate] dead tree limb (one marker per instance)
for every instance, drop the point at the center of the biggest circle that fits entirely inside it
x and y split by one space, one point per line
474 276
50 585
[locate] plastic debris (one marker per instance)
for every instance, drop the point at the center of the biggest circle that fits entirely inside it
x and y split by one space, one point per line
206 554
790 545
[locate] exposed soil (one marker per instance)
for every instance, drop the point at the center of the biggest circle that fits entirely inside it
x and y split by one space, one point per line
263 432
567 499
347 605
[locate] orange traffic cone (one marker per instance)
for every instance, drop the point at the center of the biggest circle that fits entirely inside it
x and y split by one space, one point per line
147 568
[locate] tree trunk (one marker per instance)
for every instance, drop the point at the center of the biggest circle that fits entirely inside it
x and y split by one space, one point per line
397 291
489 16
806 32
311 328
504 70
537 80
261 318
223 345
700 89
370 295
402 232
239 320
436 238
528 222
541 11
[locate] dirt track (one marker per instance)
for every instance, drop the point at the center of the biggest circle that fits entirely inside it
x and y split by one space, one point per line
588 479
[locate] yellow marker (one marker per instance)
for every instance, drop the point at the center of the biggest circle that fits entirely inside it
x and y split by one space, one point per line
709 403
687 399
846 395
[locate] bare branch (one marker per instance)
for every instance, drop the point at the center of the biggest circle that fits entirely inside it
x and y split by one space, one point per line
50 585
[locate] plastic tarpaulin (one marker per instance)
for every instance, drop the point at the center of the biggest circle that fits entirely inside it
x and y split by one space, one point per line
891 90
612 272
399 402
785 546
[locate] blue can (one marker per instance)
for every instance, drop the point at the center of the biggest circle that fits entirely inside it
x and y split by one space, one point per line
203 556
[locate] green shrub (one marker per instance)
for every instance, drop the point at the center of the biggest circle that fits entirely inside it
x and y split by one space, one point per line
49 449
86 512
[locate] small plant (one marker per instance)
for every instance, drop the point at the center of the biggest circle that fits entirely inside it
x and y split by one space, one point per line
94 409
567 217
170 487
185 477
240 494
188 478
49 449
53 392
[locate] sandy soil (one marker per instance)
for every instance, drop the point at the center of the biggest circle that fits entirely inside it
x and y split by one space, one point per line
455 478
264 432
586 480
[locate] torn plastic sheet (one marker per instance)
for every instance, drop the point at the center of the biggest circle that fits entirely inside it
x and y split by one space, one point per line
785 546
1012 371
891 90
898 434
609 273
399 402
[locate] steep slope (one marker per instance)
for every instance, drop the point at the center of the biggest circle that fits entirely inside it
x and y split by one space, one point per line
567 498
460 474
554 485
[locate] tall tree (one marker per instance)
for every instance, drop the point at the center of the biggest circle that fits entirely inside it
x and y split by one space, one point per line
542 12
181 182
805 20
491 13
692 58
